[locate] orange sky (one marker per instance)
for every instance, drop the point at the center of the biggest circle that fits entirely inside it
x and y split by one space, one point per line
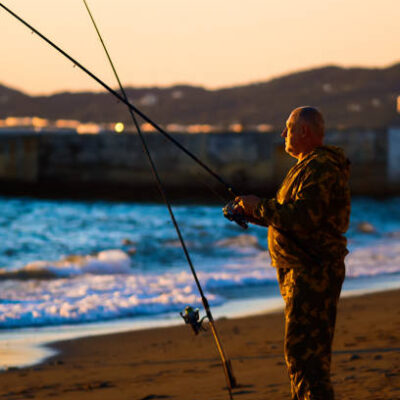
213 43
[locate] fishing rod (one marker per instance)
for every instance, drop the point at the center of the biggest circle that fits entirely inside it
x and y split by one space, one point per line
196 324
229 210
125 101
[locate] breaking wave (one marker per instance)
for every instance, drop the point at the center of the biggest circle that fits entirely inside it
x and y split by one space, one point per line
104 286
117 270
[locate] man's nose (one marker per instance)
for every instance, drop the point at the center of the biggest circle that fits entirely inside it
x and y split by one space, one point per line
284 133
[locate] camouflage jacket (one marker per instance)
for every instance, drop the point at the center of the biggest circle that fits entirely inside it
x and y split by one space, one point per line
310 214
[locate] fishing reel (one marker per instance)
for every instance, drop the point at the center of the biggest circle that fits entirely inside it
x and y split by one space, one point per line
231 213
192 317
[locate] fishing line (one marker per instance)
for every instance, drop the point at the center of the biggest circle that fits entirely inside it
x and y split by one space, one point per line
124 100
205 183
225 362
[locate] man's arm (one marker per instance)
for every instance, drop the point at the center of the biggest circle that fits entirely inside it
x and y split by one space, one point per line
245 205
305 212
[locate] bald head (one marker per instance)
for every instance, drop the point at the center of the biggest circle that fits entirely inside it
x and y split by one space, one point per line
304 131
311 117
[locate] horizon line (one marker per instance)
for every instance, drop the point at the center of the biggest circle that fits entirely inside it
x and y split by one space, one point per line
206 87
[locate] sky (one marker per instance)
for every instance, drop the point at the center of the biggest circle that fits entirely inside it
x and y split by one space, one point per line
210 43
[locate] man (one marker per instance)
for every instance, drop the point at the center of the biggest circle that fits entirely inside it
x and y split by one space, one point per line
307 220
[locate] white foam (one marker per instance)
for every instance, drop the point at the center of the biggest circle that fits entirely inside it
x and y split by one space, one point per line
383 257
90 289
104 286
88 298
108 262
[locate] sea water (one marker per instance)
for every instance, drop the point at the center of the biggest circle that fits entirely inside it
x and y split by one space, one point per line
103 266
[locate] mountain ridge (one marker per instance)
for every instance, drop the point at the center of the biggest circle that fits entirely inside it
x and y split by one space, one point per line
348 97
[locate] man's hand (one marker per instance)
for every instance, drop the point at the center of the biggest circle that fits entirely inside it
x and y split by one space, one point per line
247 204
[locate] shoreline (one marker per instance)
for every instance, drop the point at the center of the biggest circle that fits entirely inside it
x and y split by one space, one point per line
171 362
32 346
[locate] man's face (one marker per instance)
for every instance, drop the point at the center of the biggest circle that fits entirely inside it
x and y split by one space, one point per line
294 135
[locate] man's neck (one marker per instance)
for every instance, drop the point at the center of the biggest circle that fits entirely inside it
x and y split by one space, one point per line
300 157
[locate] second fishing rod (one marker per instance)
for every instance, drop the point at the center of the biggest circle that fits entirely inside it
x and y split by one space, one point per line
226 364
124 100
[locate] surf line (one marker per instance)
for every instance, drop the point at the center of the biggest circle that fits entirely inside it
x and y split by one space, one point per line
122 99
231 382
196 325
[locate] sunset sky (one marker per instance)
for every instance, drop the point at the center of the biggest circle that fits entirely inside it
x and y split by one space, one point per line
212 43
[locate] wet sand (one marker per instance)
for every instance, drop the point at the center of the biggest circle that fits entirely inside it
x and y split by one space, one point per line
172 363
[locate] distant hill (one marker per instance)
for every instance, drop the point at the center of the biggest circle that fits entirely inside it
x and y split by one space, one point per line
349 97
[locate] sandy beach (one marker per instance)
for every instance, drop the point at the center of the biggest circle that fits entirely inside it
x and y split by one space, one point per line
172 363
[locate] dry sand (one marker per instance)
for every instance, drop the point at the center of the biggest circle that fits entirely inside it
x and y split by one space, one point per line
172 363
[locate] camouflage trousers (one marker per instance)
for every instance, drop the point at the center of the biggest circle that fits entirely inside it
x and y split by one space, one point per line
311 296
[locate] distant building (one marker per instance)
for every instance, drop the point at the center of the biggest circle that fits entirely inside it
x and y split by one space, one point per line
88 128
354 107
238 128
148 100
24 123
176 128
177 94
265 128
146 127
67 124
199 128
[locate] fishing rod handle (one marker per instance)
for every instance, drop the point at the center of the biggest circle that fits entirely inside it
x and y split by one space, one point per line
226 363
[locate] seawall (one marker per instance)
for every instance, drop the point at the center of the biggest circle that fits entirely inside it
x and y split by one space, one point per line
114 166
